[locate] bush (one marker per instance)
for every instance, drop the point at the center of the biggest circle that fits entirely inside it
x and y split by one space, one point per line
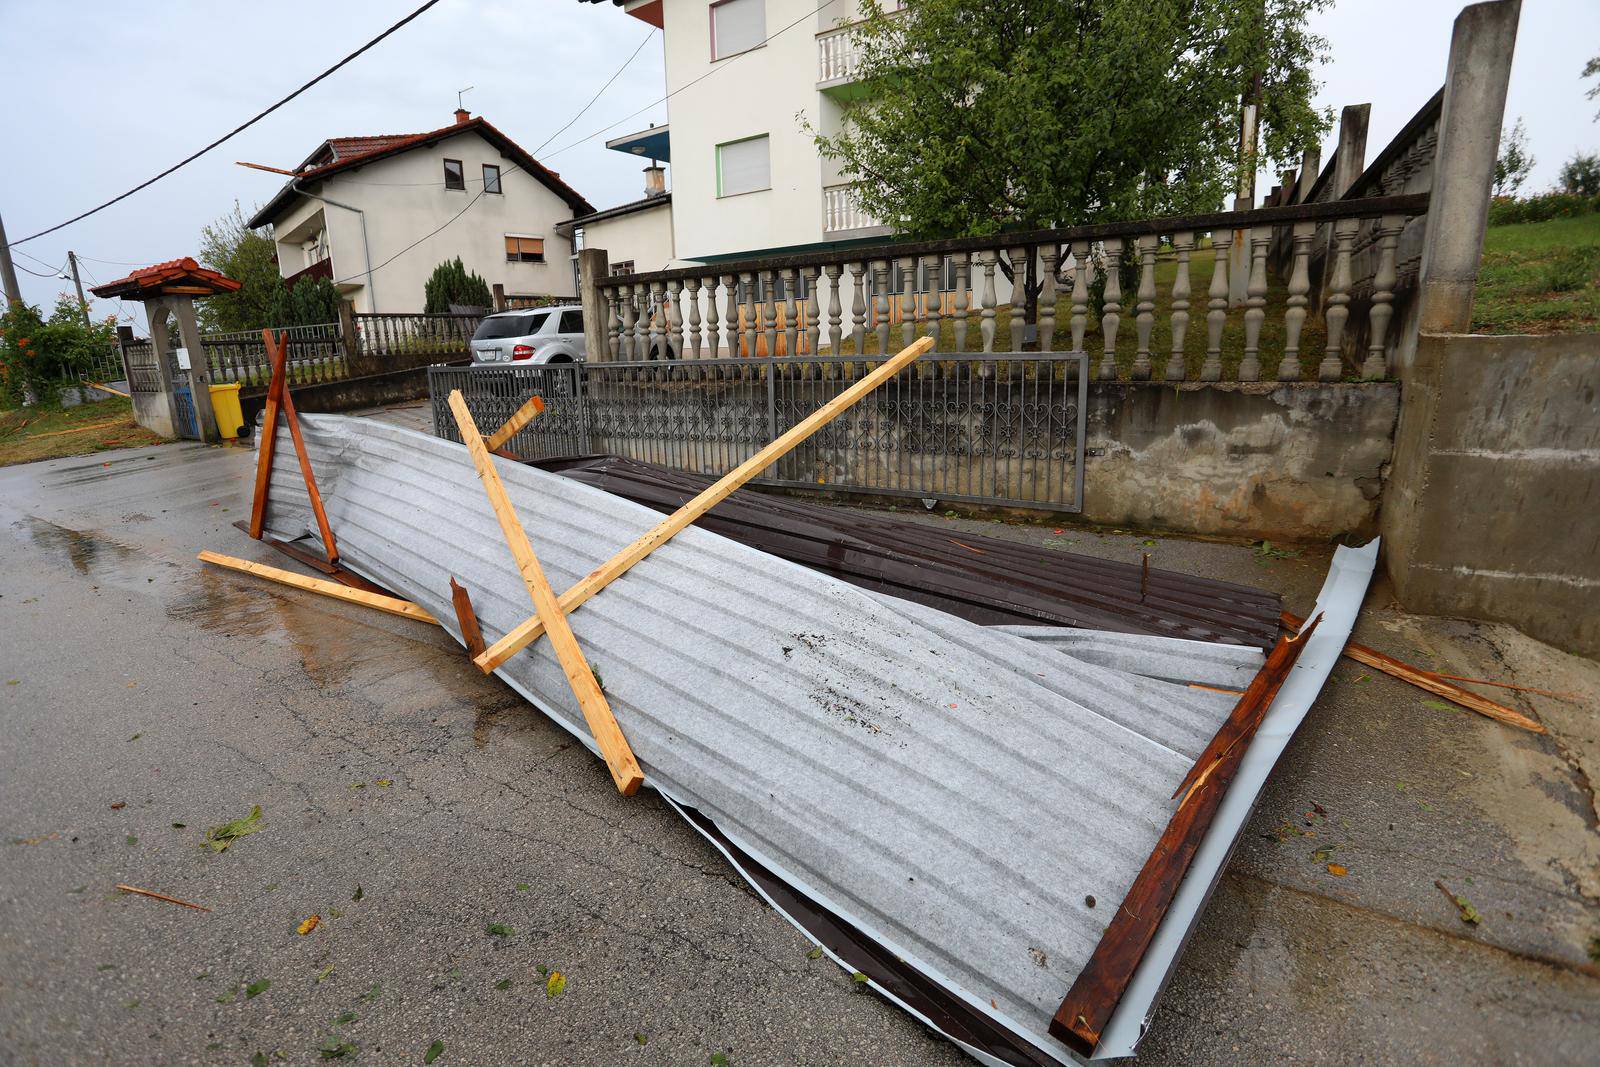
1572 269
452 283
311 302
1580 175
1507 210
37 354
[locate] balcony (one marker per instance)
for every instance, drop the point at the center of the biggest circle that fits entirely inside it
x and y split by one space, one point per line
838 62
842 215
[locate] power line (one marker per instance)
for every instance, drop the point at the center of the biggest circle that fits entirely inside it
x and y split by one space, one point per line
237 129
36 274
597 95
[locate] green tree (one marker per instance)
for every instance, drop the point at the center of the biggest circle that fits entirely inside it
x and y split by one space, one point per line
311 302
983 115
1590 69
38 354
452 283
1513 165
247 256
1581 174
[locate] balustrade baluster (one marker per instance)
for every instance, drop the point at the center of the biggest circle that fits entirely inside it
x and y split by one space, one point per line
1019 302
1182 246
1145 312
908 300
1217 315
674 319
1255 304
858 306
713 340
613 329
932 309
749 316
835 308
791 312
1080 293
641 321
655 306
769 312
1049 257
1111 309
1383 282
1344 234
693 286
880 304
1294 317
963 301
986 301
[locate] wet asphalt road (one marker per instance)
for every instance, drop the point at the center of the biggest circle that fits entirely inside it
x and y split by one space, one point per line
146 698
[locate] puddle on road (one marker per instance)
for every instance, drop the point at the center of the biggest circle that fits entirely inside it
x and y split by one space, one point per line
93 555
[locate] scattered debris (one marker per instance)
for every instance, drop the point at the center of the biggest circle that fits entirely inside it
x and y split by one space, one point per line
392 605
256 988
555 985
435 1050
309 925
500 929
221 838
159 896
1464 907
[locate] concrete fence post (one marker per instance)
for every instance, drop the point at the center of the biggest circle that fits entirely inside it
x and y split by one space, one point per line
1463 175
1349 160
499 290
199 369
347 330
593 265
124 339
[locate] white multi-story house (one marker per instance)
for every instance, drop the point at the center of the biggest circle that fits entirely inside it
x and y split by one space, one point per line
363 211
747 177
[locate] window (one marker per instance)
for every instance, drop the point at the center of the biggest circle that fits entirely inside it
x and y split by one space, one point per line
497 326
524 249
491 179
454 176
737 26
571 322
743 166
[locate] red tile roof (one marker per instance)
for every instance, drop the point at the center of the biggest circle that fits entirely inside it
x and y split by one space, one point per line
175 276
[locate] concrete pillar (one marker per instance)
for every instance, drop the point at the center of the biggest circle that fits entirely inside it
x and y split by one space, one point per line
124 339
199 369
593 265
1349 160
163 418
1463 175
499 296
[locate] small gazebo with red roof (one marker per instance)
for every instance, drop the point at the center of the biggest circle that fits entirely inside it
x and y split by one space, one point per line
169 289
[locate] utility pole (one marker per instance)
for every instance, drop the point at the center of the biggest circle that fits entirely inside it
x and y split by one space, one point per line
83 305
8 273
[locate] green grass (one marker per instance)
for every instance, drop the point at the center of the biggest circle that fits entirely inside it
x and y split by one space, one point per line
29 434
1540 277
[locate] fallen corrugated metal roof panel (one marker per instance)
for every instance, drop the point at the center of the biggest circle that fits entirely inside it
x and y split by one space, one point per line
987 580
946 795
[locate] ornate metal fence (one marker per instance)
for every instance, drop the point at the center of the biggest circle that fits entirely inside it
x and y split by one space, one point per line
996 428
316 354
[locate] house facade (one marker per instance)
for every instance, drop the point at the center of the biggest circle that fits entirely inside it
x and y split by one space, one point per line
363 211
747 177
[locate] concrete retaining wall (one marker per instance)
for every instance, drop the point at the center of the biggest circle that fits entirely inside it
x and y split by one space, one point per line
1493 511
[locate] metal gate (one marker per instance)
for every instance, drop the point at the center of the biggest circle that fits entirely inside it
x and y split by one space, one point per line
1000 428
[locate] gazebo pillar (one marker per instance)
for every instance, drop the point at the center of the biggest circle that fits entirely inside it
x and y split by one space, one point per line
166 407
182 308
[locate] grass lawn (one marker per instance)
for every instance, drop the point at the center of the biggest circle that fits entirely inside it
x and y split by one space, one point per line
1540 277
28 434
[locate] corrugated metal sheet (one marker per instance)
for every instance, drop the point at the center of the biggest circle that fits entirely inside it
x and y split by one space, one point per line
984 579
958 790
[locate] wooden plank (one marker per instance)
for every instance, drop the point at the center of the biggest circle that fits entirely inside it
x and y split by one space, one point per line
580 676
277 354
393 605
316 563
1422 679
524 415
528 631
311 480
1100 985
467 618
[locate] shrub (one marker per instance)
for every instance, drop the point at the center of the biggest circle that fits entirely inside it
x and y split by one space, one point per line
311 302
37 354
452 283
1581 175
1506 210
1572 269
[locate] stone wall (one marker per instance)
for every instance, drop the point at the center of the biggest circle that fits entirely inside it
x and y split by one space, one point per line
1493 510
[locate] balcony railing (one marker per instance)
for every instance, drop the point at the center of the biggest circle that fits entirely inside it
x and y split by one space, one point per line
838 55
841 211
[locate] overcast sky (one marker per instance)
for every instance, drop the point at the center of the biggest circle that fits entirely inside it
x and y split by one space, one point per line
101 96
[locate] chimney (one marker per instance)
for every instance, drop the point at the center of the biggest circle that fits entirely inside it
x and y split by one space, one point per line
655 180
463 115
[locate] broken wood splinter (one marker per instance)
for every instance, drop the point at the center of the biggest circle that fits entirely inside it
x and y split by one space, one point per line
523 415
392 605
160 896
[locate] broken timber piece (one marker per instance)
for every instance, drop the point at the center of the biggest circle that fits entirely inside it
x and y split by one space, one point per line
277 356
528 631
392 605
523 415
580 676
1422 679
471 635
1088 1005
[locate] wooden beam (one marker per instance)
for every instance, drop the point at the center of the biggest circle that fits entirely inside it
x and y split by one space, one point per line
339 574
580 676
311 480
393 605
524 415
528 631
1422 679
277 356
1099 987
471 635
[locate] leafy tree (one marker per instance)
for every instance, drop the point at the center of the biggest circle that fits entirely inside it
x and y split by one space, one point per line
452 283
1590 69
311 302
990 114
38 354
1514 163
245 255
1581 175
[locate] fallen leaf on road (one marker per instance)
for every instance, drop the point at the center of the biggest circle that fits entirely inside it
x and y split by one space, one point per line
500 929
719 1059
1338 870
256 988
221 838
134 738
504 983
309 925
555 984
335 1049
814 954
347 1017
640 1038
1438 705
1464 907
385 782
34 840
258 1060
435 1050
358 894
325 972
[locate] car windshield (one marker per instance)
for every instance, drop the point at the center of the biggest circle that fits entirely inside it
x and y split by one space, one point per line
498 326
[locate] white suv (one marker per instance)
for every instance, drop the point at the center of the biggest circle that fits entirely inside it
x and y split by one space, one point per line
530 337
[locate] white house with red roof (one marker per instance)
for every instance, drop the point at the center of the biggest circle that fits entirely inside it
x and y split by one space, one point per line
377 214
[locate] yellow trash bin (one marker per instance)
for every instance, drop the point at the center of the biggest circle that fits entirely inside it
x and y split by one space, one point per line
230 416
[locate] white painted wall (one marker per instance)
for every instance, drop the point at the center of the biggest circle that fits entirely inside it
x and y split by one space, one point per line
403 198
645 237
